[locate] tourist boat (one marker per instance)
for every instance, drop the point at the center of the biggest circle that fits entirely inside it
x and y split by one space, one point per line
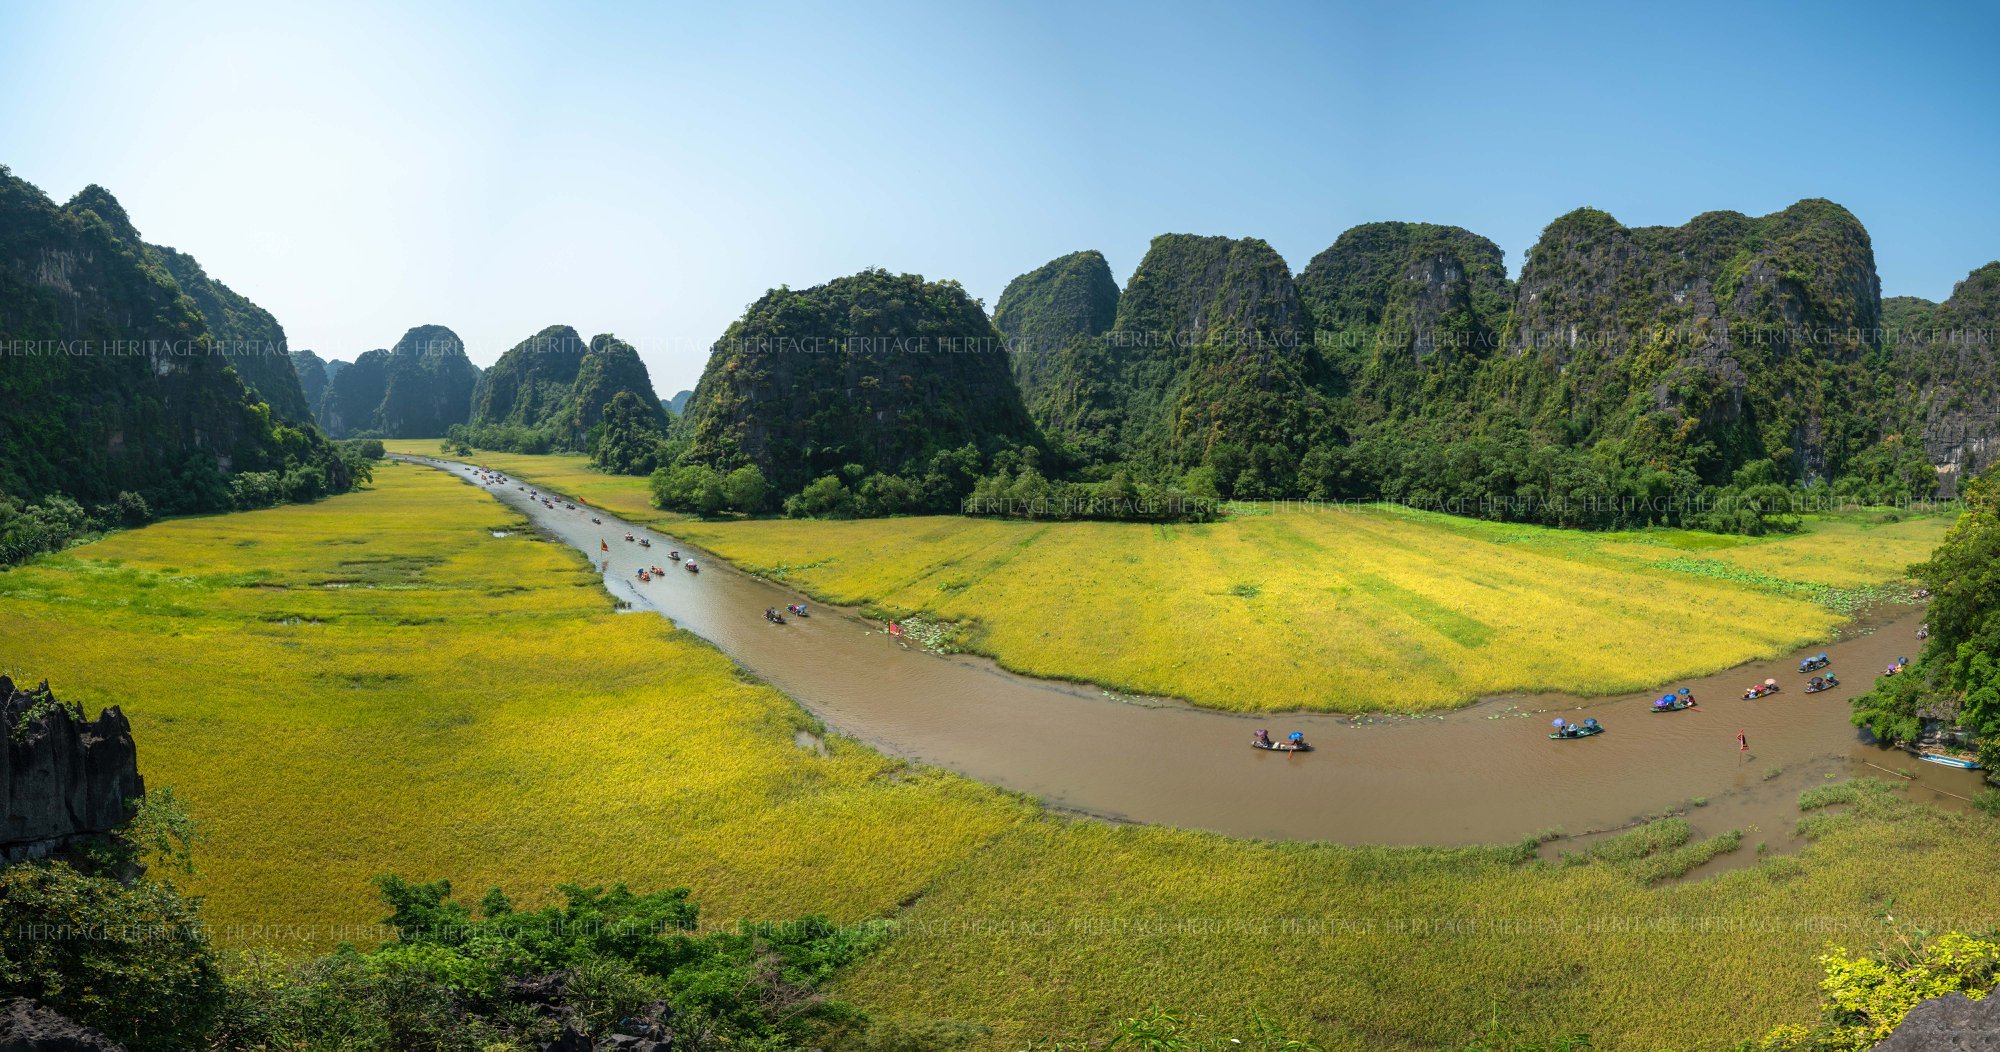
1282 746
1948 761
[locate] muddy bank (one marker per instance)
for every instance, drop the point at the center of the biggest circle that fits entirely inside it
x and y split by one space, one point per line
1481 774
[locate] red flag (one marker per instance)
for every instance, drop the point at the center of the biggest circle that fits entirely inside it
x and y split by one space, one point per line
602 546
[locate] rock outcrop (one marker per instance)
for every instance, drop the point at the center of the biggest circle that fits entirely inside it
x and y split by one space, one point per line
1949 355
65 778
1207 358
1952 1023
29 1027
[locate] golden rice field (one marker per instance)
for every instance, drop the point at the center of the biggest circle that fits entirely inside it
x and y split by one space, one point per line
626 496
376 683
379 685
1348 609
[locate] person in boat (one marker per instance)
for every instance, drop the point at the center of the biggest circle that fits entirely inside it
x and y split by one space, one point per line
1832 680
1261 739
1296 740
1816 683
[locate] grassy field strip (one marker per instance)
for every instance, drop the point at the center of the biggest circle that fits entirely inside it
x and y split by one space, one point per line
1339 609
626 496
467 706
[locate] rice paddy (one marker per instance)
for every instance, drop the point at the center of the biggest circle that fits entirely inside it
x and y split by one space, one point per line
377 683
1341 609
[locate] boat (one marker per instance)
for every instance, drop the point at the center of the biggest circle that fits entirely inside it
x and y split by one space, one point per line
1949 761
644 543
1814 664
1678 705
1826 685
1760 690
691 567
1269 746
1585 729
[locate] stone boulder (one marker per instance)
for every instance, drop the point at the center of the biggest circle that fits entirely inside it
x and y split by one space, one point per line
1952 1023
28 1027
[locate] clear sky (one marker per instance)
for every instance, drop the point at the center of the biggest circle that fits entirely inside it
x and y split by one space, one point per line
650 169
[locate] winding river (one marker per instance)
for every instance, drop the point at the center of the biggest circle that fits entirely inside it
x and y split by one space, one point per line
1480 774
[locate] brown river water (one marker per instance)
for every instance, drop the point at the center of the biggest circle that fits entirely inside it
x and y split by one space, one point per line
1480 774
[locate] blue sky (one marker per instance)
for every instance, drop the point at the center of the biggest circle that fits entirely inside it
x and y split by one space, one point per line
651 169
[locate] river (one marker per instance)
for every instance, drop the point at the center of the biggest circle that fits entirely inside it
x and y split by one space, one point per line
1480 774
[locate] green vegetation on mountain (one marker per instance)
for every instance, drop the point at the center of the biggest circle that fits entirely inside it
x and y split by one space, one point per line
312 374
244 334
118 397
1208 364
421 387
875 379
1713 374
1071 298
554 393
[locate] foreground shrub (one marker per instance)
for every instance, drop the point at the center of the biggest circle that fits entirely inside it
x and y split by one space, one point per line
1865 998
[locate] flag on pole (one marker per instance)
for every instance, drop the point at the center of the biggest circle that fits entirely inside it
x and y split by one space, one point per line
601 546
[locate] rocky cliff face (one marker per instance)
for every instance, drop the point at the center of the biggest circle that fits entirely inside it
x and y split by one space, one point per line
554 382
1947 354
1396 304
430 382
1744 335
353 393
64 778
877 369
245 335
1952 1023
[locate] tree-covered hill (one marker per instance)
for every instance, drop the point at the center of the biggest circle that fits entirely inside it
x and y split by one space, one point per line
879 371
246 335
419 388
114 388
312 375
551 392
1674 370
1071 298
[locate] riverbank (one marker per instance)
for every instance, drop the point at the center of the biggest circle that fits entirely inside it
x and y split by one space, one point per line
1480 775
377 683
